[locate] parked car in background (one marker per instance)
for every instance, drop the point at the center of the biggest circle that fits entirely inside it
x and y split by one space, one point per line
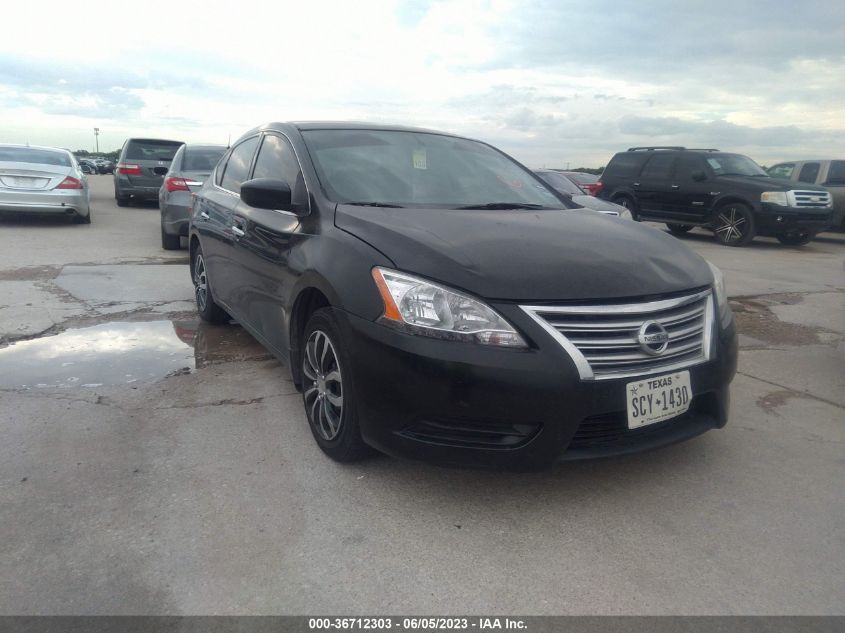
434 298
43 181
105 166
141 167
728 193
88 166
567 187
587 182
191 165
826 173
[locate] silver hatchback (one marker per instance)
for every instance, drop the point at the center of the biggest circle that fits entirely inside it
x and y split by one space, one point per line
43 181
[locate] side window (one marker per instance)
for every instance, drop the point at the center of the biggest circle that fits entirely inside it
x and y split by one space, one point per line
659 167
686 166
783 170
624 164
237 167
276 159
176 165
221 167
836 173
809 173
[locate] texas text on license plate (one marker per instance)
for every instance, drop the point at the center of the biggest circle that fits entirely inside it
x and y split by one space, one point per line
658 398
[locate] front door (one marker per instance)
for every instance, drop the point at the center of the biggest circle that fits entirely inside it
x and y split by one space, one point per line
692 196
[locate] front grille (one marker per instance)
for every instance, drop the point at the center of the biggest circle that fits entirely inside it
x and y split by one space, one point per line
611 431
808 199
470 433
603 339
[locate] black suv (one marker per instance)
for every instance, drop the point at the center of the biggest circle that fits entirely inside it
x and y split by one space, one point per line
728 193
434 298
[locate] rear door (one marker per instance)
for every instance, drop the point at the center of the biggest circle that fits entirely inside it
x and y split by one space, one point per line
263 241
213 217
653 185
833 179
152 158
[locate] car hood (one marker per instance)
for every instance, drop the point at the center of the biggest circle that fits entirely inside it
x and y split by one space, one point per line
768 183
548 255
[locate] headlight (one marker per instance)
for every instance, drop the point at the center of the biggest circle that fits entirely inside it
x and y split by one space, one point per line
420 307
774 197
625 214
721 295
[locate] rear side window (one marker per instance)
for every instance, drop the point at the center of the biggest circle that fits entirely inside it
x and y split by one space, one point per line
201 158
658 167
151 150
624 164
809 173
784 170
836 173
32 155
237 167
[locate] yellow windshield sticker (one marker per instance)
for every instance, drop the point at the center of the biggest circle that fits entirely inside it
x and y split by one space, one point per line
420 159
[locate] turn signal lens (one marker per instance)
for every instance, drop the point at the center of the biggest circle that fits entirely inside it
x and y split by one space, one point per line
418 306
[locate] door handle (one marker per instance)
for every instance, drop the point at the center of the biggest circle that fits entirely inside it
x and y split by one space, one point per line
636 184
238 231
204 215
675 186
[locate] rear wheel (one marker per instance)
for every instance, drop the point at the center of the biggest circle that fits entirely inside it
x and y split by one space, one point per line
170 242
734 224
679 229
629 203
207 308
327 390
798 237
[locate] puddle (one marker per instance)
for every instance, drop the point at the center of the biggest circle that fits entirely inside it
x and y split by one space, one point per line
124 352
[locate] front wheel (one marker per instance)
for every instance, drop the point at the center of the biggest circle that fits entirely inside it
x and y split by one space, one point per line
798 237
207 308
327 391
630 204
734 224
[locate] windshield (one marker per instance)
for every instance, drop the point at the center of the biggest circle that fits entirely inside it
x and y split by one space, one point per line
418 169
561 183
202 159
734 165
151 150
31 155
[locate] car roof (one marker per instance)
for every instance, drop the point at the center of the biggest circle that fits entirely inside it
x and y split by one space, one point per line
204 145
154 140
304 126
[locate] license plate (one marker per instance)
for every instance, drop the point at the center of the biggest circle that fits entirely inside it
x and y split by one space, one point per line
656 399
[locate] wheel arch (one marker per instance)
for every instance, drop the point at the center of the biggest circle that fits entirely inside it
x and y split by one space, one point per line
313 293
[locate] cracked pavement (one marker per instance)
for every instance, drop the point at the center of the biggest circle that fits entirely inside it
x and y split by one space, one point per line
191 485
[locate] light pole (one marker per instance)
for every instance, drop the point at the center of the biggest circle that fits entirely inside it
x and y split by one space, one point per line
96 140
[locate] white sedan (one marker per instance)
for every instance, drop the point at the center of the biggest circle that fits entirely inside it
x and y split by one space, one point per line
43 181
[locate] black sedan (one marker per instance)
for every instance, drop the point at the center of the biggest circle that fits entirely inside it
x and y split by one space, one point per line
433 298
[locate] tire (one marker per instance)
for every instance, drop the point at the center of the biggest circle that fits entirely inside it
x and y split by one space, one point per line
679 229
170 242
798 237
327 391
629 203
733 224
207 308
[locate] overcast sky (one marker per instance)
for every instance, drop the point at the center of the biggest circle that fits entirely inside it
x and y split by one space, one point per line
551 82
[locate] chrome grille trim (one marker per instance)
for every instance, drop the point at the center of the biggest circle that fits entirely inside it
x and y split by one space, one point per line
808 198
606 346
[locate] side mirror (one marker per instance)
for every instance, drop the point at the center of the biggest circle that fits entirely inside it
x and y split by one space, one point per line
266 193
698 175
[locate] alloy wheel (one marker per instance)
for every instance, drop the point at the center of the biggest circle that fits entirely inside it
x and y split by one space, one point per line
200 282
730 225
323 392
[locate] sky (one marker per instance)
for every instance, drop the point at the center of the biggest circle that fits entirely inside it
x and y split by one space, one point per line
553 83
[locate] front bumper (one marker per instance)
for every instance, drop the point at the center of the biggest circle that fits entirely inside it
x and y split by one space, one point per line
773 219
466 404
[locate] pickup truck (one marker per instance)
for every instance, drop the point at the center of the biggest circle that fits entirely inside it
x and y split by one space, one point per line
828 173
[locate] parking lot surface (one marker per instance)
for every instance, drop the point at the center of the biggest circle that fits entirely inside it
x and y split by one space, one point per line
151 464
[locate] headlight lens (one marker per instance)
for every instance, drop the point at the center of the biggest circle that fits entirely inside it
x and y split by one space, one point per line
774 197
721 295
418 306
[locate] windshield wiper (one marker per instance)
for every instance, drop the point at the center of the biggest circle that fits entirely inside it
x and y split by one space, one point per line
375 204
503 205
